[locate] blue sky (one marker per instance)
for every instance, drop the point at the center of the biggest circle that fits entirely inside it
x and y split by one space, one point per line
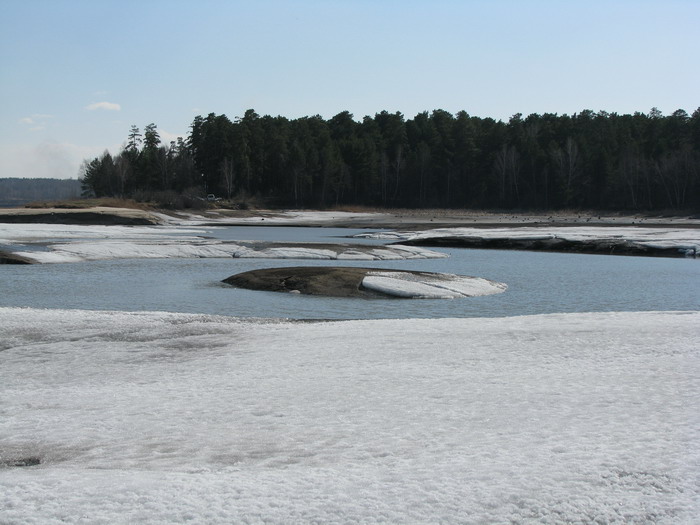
76 74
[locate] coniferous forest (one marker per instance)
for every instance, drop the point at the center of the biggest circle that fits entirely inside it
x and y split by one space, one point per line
588 160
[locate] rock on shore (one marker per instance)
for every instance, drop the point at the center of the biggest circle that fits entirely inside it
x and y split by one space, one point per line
364 282
554 244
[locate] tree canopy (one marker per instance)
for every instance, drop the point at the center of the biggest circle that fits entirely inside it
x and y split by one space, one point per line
437 159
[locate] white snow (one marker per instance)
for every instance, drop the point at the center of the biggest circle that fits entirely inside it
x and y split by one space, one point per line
107 249
435 286
69 243
14 233
268 218
72 243
338 252
172 418
193 248
684 239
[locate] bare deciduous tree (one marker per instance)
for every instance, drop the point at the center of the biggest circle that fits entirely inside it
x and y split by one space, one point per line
229 175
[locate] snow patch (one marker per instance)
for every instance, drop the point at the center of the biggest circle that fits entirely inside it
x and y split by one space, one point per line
427 286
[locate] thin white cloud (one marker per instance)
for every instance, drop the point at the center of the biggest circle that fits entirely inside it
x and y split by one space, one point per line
108 106
36 121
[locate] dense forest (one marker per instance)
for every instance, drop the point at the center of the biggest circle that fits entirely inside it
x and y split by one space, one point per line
17 192
587 160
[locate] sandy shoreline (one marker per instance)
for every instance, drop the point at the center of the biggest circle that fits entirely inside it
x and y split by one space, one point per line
388 219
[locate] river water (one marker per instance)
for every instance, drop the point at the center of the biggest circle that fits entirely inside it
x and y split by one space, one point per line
537 283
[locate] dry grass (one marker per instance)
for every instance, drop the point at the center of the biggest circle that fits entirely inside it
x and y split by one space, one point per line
77 204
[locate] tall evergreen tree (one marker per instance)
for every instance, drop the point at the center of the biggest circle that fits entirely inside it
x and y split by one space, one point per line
596 160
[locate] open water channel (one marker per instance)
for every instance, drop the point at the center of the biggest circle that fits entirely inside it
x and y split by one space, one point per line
537 283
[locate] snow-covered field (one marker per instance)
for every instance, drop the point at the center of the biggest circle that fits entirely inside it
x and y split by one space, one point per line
171 418
118 417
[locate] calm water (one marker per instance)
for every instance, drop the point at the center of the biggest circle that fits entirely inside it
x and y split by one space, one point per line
538 283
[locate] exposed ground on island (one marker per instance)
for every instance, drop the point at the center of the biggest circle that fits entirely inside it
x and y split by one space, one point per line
336 281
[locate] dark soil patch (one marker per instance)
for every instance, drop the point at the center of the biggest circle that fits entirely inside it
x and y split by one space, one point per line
78 217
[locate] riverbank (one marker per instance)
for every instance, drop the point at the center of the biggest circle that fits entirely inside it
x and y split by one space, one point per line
99 230
370 218
431 219
98 215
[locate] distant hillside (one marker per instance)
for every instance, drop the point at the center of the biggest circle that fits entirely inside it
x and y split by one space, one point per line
18 192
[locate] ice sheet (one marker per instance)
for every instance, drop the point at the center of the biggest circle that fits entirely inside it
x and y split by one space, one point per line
171 418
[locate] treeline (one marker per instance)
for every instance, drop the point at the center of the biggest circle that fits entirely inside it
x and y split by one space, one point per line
16 191
587 160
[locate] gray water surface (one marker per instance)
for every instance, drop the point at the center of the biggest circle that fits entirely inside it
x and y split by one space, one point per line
537 283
